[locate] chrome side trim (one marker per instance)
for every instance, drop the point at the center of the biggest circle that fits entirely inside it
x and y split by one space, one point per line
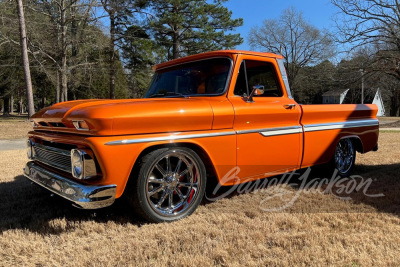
340 125
264 132
83 196
273 131
172 136
289 130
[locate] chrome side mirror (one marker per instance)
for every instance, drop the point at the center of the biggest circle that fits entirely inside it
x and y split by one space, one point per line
257 90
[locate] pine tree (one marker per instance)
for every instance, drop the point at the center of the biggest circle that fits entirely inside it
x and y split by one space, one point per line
186 27
138 50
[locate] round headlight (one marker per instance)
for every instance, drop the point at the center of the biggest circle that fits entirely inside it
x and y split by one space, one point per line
77 163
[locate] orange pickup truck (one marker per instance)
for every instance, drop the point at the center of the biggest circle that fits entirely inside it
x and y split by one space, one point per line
202 116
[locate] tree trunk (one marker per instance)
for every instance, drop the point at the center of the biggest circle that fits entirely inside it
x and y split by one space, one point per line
175 45
11 104
58 86
6 101
112 55
20 106
43 101
64 85
397 103
25 59
394 103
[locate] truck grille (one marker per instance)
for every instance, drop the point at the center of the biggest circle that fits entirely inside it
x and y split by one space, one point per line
54 157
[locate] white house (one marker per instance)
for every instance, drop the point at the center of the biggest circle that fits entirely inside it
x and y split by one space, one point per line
335 96
378 101
338 96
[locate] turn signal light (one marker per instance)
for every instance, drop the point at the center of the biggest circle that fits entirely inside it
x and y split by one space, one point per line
81 125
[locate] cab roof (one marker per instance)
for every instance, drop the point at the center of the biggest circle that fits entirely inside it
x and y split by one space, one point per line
228 53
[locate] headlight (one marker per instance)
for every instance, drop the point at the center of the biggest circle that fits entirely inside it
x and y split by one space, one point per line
83 166
77 163
30 151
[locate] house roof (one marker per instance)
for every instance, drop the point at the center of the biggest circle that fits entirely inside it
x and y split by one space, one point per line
355 98
335 92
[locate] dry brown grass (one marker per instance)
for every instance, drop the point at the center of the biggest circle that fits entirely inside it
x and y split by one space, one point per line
14 129
317 230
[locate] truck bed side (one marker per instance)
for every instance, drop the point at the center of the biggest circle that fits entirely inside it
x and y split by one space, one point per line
324 125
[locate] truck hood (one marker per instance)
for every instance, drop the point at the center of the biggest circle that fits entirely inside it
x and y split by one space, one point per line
124 117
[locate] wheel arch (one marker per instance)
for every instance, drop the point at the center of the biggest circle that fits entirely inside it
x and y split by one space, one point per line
204 156
357 142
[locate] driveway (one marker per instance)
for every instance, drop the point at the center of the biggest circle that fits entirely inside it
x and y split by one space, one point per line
12 144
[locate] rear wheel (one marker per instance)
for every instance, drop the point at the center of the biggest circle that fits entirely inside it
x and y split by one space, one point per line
344 157
170 184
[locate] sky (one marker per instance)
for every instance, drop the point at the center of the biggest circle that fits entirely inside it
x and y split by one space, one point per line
318 13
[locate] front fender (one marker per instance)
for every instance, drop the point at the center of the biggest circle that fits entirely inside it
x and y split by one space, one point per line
117 155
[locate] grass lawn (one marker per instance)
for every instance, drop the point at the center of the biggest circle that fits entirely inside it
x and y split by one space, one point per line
318 229
14 127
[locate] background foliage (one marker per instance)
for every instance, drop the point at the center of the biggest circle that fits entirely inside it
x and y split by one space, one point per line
105 48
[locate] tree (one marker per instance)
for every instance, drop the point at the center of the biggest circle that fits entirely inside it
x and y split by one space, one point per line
138 50
85 53
63 21
120 13
312 81
299 42
11 69
375 23
185 27
25 59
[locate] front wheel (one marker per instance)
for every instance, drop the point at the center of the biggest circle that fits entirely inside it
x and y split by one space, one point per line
344 157
170 184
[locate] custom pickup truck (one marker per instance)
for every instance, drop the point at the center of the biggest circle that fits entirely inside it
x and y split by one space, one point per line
203 116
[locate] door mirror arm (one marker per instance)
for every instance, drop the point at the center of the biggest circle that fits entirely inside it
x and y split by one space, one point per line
257 90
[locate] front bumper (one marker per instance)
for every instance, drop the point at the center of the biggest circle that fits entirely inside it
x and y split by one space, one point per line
83 196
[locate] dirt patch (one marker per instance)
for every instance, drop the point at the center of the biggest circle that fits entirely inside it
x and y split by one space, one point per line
318 229
10 129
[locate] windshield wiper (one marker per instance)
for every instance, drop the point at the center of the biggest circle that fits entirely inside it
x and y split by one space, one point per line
173 94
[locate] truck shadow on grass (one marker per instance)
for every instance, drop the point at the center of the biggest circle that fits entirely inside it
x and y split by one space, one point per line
371 188
27 206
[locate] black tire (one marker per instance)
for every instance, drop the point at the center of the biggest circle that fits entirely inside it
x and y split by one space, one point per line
165 192
344 157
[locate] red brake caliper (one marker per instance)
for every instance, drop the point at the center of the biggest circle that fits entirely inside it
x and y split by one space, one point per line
192 192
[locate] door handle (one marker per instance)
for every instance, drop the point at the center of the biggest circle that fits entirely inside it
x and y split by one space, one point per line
289 106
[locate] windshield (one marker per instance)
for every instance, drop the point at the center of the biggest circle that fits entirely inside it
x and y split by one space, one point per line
205 77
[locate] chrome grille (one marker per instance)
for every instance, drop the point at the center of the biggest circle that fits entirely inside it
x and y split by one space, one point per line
54 157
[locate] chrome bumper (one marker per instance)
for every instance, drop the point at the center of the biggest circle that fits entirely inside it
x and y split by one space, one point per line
83 196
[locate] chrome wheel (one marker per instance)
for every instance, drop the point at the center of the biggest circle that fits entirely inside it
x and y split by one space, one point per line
344 156
173 183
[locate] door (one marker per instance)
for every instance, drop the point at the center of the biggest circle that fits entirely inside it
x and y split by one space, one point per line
269 134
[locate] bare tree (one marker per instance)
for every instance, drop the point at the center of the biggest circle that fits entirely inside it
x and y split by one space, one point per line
112 8
299 42
25 59
373 23
64 24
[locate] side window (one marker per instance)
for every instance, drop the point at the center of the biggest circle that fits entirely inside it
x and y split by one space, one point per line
258 73
240 87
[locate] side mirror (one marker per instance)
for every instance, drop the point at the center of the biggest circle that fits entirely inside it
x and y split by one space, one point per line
257 90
